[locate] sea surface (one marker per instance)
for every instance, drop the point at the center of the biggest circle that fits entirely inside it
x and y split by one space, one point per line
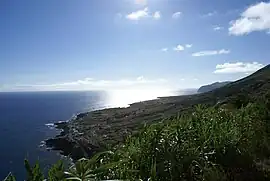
25 118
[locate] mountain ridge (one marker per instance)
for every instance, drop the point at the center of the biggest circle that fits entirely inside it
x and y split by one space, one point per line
209 87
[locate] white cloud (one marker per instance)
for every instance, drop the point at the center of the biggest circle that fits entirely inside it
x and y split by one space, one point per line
254 18
94 84
176 15
164 49
209 14
157 15
140 2
210 52
178 48
144 13
223 51
218 28
141 78
238 67
188 45
137 15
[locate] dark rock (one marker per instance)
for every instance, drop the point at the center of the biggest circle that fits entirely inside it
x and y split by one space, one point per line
71 148
81 115
61 125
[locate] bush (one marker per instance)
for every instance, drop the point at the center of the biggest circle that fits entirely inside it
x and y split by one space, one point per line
210 144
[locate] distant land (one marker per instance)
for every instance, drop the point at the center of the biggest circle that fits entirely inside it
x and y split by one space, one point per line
186 91
213 86
92 132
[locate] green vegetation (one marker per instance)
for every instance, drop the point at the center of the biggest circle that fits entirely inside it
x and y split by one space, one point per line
95 131
222 135
210 144
213 86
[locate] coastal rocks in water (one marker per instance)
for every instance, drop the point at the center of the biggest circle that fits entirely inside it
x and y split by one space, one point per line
69 146
81 115
59 143
61 125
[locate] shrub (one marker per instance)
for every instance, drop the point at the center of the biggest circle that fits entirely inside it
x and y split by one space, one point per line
210 144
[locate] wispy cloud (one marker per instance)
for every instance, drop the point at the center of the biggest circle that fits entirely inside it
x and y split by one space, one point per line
254 18
210 52
238 67
217 28
137 15
176 15
157 15
164 49
209 14
179 48
188 45
140 2
94 84
144 13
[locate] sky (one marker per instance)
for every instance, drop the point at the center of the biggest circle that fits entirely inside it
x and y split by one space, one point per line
130 44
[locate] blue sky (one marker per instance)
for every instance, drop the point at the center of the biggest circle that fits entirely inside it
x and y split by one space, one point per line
115 44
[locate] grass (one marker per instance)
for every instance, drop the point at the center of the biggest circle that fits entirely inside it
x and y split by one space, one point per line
98 129
209 144
229 141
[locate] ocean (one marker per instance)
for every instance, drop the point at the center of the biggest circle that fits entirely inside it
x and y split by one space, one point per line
24 119
26 116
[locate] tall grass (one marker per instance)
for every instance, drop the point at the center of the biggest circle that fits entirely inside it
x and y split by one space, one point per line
210 144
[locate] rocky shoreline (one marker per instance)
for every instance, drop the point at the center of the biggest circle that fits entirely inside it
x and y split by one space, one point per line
64 142
95 131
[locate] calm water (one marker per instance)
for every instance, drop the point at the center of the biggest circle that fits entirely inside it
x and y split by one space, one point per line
24 117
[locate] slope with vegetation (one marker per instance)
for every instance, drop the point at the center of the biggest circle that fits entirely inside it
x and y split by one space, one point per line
227 138
210 87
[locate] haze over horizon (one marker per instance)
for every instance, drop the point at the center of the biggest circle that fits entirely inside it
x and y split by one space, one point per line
130 44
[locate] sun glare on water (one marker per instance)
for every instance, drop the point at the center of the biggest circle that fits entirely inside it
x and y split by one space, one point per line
122 98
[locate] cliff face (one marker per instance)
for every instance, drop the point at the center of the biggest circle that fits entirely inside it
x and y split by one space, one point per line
210 87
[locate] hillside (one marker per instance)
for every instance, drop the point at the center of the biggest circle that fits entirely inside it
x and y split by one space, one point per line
250 87
253 85
94 131
166 142
210 87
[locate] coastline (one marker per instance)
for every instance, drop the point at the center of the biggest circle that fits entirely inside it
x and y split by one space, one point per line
62 142
99 130
70 142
